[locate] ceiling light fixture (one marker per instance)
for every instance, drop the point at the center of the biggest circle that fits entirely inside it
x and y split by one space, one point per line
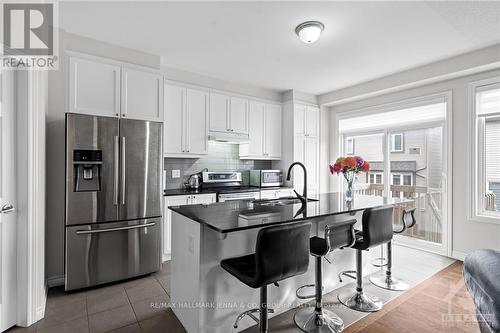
309 31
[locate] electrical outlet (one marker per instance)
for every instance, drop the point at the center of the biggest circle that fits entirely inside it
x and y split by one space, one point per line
176 173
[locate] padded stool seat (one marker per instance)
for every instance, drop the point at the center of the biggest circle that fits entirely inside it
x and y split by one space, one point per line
280 252
242 268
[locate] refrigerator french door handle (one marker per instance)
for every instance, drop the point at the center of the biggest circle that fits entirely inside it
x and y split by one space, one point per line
124 176
83 232
116 171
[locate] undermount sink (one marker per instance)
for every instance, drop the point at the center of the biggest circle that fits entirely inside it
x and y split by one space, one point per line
281 201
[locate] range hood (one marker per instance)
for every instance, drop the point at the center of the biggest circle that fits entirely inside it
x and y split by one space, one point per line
233 138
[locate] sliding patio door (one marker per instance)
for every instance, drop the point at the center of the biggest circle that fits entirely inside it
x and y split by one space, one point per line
417 163
407 148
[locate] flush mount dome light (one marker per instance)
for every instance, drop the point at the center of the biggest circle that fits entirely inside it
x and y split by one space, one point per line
309 31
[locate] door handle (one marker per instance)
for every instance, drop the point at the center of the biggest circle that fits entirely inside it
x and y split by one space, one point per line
116 171
7 209
137 226
124 176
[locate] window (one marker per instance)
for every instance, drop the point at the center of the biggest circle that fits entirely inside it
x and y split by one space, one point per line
382 134
397 143
375 177
486 131
349 146
400 179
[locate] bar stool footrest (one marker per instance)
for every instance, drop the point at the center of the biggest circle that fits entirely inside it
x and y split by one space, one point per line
379 262
348 274
250 313
297 292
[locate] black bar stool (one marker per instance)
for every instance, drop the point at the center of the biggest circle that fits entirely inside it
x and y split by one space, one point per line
377 229
317 319
385 279
280 252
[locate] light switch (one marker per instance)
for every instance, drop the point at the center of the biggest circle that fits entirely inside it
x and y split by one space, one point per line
176 173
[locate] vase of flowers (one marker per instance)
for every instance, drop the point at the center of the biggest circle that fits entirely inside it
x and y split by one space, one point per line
350 167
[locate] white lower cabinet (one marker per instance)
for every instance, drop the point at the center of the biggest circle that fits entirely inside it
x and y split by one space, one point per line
179 200
276 193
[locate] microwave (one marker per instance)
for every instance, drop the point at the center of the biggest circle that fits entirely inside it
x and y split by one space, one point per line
266 178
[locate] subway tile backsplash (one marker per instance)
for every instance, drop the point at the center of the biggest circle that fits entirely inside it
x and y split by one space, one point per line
221 157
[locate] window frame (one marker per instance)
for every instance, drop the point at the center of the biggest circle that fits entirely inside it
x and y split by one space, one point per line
393 142
476 177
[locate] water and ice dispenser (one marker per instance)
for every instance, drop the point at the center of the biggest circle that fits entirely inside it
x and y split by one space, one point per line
87 166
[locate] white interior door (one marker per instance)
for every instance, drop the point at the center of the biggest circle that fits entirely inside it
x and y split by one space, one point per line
8 235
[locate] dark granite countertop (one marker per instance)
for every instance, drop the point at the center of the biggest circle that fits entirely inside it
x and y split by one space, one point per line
185 191
233 216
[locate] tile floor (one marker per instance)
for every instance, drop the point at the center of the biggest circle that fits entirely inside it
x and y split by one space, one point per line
127 307
118 308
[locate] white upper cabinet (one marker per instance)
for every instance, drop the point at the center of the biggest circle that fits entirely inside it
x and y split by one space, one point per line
219 112
238 115
186 116
306 120
265 122
256 130
273 126
312 121
311 160
306 145
228 114
103 87
142 95
299 118
174 101
94 87
197 117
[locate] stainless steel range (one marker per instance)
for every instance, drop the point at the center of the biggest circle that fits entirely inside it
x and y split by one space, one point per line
113 199
228 185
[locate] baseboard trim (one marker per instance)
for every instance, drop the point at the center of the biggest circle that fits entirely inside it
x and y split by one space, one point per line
459 255
55 281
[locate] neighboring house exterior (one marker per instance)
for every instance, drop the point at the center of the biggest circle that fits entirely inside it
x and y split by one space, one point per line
416 157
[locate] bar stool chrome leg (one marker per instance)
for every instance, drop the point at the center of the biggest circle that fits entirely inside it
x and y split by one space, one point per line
316 319
384 279
358 300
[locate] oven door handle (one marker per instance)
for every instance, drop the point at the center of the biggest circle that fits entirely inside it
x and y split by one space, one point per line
84 232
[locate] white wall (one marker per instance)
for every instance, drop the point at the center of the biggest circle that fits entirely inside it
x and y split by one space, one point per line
466 235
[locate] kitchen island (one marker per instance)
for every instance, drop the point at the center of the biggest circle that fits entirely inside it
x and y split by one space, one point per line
205 297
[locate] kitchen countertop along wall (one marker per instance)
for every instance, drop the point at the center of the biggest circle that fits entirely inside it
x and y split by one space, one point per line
221 157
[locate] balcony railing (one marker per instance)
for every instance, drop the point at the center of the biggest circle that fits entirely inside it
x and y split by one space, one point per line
428 213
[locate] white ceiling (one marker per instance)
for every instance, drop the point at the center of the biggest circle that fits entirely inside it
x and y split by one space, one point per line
254 42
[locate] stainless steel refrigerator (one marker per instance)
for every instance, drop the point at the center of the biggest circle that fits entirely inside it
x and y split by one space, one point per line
113 199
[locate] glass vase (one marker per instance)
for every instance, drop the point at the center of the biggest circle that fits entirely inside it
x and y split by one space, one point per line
348 195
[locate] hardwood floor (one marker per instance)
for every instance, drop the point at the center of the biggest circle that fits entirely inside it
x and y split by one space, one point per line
439 304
